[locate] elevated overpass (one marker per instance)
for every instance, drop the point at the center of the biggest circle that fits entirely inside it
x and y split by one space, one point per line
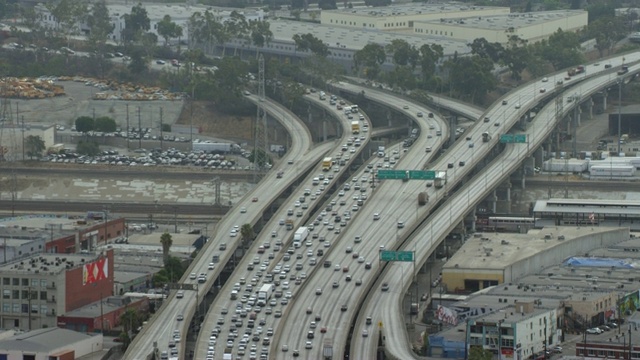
385 307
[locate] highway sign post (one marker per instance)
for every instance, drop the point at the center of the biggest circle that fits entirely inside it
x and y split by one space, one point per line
404 256
513 138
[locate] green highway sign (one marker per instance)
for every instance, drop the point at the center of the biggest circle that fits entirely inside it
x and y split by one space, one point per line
406 174
392 174
513 138
387 255
422 175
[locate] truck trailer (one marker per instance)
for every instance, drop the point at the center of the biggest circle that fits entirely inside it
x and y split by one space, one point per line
301 234
326 164
213 147
440 180
264 294
355 127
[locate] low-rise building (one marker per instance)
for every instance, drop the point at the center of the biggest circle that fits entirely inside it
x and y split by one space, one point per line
102 315
49 344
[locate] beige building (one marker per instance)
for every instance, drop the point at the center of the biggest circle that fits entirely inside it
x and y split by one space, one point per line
403 17
533 27
11 139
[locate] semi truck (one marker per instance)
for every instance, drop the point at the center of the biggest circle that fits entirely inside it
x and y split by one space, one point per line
264 294
327 349
326 164
486 137
213 147
355 127
301 234
575 71
423 198
440 180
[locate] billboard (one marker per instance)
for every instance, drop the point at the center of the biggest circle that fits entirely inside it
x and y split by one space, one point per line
630 303
446 315
95 271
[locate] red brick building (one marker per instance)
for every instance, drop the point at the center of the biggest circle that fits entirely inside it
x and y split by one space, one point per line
88 235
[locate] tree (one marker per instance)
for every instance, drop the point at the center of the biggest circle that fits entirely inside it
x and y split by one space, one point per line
100 25
607 31
516 56
166 241
84 124
430 55
35 146
403 54
69 14
377 2
105 124
369 59
260 33
483 48
89 148
561 49
136 23
327 4
478 353
471 76
130 319
138 63
169 29
308 42
246 231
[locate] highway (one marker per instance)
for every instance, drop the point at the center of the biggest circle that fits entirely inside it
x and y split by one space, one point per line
160 328
392 204
384 307
455 106
267 249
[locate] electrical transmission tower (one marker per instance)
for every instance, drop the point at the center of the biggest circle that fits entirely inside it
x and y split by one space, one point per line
260 157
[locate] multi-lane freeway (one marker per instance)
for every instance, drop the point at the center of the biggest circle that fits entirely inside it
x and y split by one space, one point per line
385 308
159 332
229 325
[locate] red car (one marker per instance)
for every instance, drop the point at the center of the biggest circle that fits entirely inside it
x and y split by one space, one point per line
323 330
254 200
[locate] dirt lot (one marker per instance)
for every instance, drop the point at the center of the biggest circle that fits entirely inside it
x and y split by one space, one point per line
215 124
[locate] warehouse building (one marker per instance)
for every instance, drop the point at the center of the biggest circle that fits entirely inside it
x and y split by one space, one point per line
50 344
490 259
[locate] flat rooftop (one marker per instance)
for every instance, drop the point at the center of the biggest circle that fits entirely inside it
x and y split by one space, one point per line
509 314
47 263
588 206
508 248
356 39
156 12
513 20
43 340
411 9
93 310
154 239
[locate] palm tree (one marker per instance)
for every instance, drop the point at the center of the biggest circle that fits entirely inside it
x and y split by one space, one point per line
166 242
129 320
246 231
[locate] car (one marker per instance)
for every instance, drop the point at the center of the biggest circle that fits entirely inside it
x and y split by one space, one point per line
405 107
348 278
496 124
400 224
160 62
385 287
243 210
543 90
345 269
545 79
594 331
504 102
343 308
336 284
255 199
285 348
461 163
310 334
517 106
367 266
607 66
376 216
419 114
318 291
308 345
365 333
180 294
192 276
557 349
486 119
180 317
211 266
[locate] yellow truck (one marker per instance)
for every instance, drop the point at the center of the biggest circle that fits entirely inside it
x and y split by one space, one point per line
355 127
326 164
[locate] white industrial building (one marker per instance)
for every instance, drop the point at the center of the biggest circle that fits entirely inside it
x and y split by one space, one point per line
180 14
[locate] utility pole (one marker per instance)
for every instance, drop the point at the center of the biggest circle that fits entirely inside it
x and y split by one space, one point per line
139 130
161 128
128 131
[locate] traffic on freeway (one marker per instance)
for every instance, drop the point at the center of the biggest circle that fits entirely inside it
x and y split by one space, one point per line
242 318
384 308
156 331
329 296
